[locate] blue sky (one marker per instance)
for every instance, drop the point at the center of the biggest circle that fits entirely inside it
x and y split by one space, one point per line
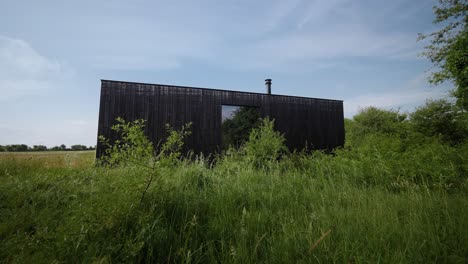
54 53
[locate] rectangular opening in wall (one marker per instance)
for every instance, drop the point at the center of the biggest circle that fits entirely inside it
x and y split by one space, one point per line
237 122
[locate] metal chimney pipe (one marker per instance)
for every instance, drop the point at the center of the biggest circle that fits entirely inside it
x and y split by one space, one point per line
268 85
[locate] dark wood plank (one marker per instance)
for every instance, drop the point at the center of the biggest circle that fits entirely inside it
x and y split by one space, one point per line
317 123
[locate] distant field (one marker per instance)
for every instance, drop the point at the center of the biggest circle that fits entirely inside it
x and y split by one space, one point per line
54 159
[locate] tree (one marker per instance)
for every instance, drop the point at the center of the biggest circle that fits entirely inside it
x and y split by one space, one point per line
236 130
374 121
441 118
17 147
448 48
63 147
264 145
78 147
39 148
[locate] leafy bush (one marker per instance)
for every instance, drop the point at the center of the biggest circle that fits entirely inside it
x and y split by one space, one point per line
78 147
441 118
372 120
375 120
171 150
264 146
17 147
236 130
134 149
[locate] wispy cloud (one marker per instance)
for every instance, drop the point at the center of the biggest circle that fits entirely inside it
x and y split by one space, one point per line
19 59
50 132
31 111
316 32
145 44
144 35
405 98
342 42
24 71
320 11
52 54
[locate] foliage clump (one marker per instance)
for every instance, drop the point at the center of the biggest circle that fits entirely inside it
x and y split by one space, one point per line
442 119
448 48
264 146
236 130
134 149
371 121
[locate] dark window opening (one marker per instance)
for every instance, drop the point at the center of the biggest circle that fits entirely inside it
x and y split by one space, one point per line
237 122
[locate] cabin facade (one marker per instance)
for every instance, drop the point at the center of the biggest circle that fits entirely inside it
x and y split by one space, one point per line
305 122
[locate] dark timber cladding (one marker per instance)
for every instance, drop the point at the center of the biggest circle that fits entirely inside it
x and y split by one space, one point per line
315 123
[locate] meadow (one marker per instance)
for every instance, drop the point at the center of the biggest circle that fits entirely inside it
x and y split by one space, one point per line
52 159
386 197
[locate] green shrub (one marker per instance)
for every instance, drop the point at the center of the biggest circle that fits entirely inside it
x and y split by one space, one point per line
264 146
132 147
171 150
372 120
441 118
236 130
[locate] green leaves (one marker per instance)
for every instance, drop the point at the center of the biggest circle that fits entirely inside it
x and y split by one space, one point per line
441 118
265 145
372 120
171 150
448 48
132 148
236 130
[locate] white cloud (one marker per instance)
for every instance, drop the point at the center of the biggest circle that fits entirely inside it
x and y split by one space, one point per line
18 59
31 111
278 13
320 32
295 52
134 62
319 11
24 71
148 35
400 99
342 42
296 37
144 36
50 132
413 94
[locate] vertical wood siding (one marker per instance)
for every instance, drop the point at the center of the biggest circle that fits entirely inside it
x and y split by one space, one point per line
305 122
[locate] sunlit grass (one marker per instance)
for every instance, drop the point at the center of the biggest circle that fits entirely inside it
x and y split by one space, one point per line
229 213
384 200
53 159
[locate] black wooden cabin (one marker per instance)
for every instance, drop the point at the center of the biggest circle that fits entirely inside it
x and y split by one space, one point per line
305 122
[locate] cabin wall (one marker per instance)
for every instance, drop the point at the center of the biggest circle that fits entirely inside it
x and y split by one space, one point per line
319 123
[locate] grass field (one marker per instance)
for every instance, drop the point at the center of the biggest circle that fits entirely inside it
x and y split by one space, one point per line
58 207
53 159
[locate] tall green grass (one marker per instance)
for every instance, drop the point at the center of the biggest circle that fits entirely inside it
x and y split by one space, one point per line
383 201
